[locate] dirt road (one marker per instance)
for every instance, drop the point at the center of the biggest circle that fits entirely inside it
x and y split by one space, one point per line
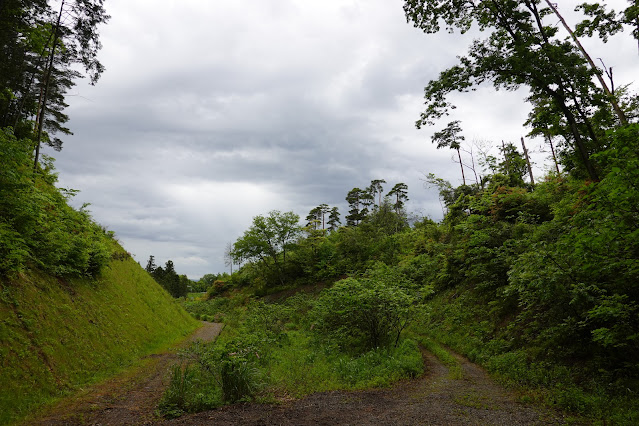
128 398
433 399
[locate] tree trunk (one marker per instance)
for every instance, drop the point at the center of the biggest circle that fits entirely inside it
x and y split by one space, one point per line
462 166
554 157
530 172
47 81
602 82
581 148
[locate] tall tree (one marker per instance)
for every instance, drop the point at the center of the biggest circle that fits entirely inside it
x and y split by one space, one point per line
268 238
150 265
451 137
317 216
334 220
376 189
520 49
323 209
400 192
74 41
609 94
513 165
357 200
313 218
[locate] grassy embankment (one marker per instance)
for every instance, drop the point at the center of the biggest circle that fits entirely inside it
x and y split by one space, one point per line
58 335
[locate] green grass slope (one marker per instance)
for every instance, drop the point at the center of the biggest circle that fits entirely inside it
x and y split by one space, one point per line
58 335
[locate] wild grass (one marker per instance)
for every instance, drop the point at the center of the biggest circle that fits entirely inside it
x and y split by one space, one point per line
270 353
57 336
454 367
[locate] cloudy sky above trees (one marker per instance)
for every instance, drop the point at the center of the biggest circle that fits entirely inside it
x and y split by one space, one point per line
210 113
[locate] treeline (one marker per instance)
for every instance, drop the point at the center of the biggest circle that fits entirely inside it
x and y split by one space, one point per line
534 278
176 285
278 251
538 283
179 285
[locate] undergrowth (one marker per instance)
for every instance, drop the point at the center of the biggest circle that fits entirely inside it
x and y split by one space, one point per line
271 352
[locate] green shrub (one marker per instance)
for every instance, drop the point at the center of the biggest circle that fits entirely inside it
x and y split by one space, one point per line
364 313
239 376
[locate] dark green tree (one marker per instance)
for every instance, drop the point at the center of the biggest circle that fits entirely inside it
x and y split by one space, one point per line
334 220
41 50
450 137
317 216
520 49
150 265
356 213
74 41
400 193
313 218
376 189
513 165
268 238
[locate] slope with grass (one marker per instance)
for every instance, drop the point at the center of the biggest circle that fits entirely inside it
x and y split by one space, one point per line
58 335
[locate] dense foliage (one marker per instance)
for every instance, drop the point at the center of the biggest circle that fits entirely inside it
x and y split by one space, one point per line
365 313
176 285
535 280
42 47
521 278
37 226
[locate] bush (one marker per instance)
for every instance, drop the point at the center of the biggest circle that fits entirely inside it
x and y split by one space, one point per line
363 313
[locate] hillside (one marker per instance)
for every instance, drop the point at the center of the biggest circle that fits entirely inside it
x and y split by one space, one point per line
58 335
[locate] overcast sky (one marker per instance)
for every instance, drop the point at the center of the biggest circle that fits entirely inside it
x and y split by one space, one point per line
210 113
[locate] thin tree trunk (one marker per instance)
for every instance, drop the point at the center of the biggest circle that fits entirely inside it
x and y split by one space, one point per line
552 149
604 86
530 172
506 159
462 166
28 86
47 82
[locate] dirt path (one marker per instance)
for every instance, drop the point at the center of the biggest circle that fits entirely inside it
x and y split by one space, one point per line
129 398
434 399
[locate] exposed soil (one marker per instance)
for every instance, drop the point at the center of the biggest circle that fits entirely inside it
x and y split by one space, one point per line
433 399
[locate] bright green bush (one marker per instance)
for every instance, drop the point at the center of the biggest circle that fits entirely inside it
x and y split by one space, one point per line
364 313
